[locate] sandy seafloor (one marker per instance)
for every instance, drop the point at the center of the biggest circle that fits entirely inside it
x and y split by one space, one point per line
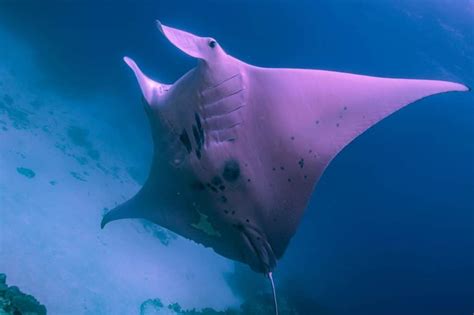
395 212
56 213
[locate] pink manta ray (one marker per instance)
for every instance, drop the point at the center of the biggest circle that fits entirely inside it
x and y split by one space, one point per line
238 149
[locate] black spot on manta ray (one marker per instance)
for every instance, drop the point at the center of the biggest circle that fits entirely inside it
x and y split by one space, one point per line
199 127
196 136
198 141
198 120
216 180
223 199
184 138
301 163
231 170
211 187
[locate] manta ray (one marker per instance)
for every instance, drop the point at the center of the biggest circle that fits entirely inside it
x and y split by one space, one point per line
238 149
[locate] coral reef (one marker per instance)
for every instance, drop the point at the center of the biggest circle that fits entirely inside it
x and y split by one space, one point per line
26 172
15 302
259 304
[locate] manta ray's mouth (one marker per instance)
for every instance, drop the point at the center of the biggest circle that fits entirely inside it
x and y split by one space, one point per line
261 258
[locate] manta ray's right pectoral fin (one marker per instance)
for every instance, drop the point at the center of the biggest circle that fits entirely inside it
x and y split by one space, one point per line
150 88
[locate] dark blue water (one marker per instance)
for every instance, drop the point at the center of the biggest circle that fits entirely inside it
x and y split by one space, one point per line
390 227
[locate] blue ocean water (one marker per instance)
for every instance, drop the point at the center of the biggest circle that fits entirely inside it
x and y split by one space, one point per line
390 226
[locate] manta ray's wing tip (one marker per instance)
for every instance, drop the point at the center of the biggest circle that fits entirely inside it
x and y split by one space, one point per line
103 222
167 31
464 87
461 87
108 217
132 64
160 26
128 61
449 86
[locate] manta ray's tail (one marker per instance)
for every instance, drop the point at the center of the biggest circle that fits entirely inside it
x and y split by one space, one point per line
274 292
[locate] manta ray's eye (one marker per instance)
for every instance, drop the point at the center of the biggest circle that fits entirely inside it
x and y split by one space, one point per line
212 43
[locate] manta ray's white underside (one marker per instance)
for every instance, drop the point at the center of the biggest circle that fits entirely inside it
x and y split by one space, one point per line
239 149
